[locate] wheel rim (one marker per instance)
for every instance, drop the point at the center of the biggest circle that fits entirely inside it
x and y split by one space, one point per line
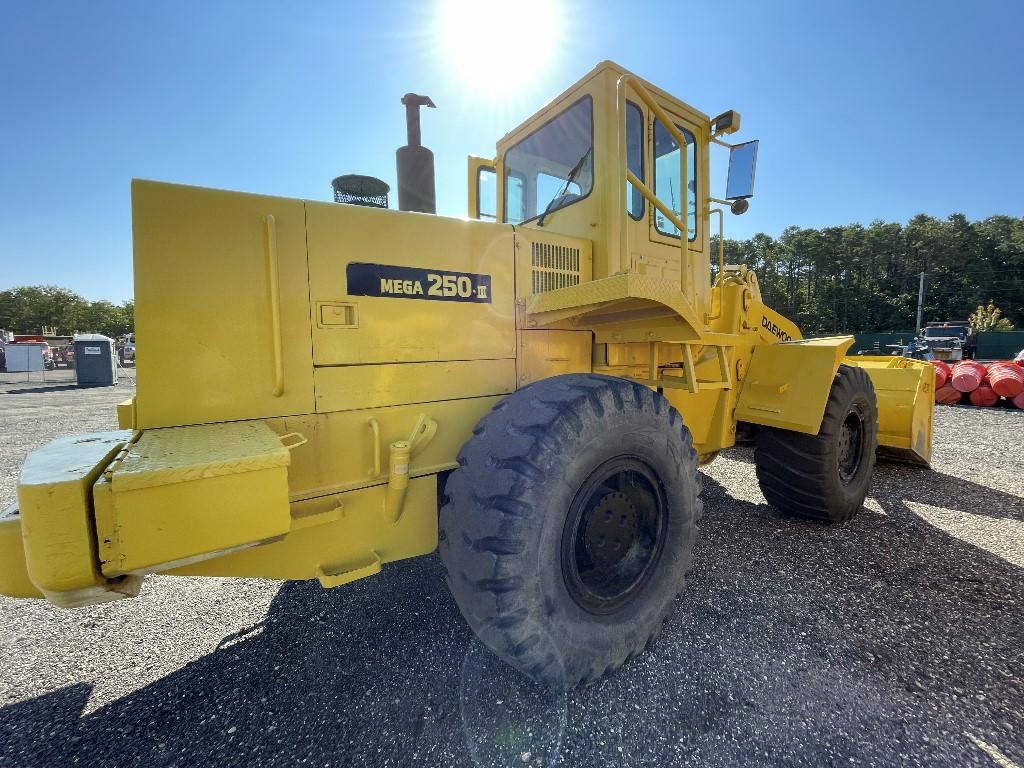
614 535
851 444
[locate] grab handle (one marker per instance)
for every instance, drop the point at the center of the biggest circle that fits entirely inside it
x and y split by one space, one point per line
293 440
375 428
270 230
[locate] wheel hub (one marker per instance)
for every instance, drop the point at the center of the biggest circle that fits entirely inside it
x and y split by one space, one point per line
613 535
610 529
851 446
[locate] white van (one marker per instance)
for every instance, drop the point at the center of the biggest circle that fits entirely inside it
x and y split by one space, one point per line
127 351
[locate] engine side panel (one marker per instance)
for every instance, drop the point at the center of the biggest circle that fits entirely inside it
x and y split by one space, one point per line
212 342
393 287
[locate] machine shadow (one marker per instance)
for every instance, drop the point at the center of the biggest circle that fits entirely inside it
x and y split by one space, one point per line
371 674
895 483
334 677
919 627
42 390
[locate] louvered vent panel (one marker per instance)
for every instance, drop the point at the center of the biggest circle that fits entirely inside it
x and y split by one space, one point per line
554 266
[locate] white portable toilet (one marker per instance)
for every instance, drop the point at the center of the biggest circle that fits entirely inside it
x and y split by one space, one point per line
24 357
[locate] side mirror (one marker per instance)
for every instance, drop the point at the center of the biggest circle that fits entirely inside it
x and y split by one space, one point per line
742 164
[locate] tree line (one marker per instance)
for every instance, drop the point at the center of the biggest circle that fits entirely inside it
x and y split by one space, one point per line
854 278
30 309
849 279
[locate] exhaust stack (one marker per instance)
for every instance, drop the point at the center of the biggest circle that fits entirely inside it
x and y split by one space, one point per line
415 162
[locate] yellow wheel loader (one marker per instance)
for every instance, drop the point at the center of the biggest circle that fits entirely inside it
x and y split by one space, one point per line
529 389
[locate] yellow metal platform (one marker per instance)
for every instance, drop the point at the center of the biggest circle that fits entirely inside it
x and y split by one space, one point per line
183 494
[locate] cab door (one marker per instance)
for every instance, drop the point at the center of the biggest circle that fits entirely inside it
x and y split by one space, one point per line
653 155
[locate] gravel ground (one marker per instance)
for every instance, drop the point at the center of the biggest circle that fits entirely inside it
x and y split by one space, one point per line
895 639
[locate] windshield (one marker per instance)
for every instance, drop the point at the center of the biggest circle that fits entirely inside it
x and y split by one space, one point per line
552 167
945 332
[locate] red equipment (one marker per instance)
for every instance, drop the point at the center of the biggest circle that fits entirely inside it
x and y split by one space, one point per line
968 375
983 396
942 373
1006 379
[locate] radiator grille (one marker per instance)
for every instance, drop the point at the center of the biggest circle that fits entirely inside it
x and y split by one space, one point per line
554 266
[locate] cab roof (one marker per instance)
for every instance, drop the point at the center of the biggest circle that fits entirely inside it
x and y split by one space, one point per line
560 101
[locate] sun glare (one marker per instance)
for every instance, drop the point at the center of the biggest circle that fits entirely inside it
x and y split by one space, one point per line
496 47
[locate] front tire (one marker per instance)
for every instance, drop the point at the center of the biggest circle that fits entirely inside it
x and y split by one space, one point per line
569 525
825 476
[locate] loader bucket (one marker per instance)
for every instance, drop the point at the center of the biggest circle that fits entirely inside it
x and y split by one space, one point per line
905 390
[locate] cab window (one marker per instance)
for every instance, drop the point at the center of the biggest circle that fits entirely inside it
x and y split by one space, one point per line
515 200
486 194
667 184
553 167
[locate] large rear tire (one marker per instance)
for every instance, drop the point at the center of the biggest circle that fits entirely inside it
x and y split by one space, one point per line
825 476
569 525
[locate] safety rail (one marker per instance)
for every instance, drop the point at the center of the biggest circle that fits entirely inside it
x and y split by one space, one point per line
688 380
719 285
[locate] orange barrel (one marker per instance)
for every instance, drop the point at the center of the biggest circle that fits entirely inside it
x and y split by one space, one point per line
1019 401
947 395
967 375
1006 379
942 371
984 396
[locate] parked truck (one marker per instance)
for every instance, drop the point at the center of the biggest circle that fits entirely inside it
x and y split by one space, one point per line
949 340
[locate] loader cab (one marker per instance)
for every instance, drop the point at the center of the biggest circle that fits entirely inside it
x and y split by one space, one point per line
562 172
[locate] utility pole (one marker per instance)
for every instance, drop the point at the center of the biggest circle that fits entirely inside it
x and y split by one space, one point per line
920 303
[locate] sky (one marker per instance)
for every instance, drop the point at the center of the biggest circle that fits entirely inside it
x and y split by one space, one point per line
865 110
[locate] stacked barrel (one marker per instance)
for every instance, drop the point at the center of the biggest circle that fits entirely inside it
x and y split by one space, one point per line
970 383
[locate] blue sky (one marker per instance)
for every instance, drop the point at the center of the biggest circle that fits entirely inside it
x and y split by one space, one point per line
864 109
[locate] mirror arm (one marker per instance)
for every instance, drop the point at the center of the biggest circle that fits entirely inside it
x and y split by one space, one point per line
737 207
719 142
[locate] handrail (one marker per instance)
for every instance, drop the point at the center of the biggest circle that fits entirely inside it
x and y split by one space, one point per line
721 237
274 289
720 286
646 191
669 123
